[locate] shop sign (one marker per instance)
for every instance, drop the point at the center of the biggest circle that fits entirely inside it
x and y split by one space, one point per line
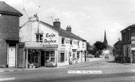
67 40
50 38
40 45
50 46
74 50
21 45
75 42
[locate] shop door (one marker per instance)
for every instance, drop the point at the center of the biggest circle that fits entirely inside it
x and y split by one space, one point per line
11 56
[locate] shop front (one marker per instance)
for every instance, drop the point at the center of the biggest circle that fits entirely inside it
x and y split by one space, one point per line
39 54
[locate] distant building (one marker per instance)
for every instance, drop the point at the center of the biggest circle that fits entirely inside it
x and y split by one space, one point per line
105 39
50 45
128 39
9 35
118 51
108 52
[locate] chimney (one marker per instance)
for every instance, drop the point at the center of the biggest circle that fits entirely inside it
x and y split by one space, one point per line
68 28
56 23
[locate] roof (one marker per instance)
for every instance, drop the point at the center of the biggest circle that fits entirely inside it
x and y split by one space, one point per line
118 42
131 26
8 10
63 32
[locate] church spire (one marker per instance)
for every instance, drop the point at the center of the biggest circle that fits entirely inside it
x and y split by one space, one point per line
105 39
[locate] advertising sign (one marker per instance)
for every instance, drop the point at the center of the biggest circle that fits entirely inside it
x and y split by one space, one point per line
50 38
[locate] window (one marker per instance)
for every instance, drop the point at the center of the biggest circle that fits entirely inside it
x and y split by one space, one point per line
50 56
62 41
78 43
70 42
39 37
129 35
78 53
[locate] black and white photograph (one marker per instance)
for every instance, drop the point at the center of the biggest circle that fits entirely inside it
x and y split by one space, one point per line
67 40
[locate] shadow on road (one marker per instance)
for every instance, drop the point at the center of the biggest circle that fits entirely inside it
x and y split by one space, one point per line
118 62
80 78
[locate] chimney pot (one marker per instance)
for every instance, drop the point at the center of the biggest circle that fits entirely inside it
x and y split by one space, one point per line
68 28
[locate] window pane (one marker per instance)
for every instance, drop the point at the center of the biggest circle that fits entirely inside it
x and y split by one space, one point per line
37 36
63 40
41 38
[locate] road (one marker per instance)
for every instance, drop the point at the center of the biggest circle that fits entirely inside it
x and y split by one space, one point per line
111 72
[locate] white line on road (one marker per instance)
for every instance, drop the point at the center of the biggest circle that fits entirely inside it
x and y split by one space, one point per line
7 79
84 71
133 70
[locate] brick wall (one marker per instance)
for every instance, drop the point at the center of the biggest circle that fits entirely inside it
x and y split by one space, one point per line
9 30
9 27
3 52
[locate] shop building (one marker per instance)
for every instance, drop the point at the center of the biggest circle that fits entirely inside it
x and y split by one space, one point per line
43 44
128 40
9 35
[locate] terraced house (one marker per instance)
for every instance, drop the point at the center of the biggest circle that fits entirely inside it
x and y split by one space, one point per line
49 45
128 40
9 35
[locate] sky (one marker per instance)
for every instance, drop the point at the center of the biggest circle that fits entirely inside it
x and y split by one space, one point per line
88 18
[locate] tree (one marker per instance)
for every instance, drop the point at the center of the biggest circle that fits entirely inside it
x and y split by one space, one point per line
90 48
98 47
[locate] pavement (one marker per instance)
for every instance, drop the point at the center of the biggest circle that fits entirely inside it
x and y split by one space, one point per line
42 68
126 67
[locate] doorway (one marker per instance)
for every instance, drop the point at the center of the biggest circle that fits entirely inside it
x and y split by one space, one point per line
11 56
42 58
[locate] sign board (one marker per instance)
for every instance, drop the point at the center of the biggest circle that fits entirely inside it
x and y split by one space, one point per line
67 40
50 38
40 45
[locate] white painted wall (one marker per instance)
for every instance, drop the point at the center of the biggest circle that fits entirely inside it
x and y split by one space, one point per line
28 33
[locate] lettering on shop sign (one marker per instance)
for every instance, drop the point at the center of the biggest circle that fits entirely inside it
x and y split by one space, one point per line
49 41
50 38
50 35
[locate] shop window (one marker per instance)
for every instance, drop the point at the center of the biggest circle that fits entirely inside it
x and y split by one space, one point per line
50 56
33 55
62 41
39 37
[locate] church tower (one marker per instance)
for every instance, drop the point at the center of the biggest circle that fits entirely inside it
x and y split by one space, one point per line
105 39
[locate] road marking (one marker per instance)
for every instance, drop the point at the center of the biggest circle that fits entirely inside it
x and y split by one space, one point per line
84 71
133 70
7 79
